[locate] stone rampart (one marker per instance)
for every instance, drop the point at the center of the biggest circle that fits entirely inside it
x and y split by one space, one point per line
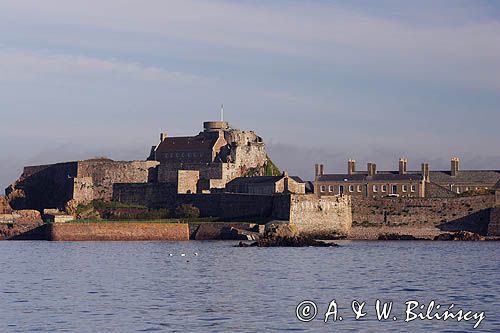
418 211
494 225
315 216
52 186
109 231
153 195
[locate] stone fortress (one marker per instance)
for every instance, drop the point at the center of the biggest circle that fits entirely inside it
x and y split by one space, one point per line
227 173
223 171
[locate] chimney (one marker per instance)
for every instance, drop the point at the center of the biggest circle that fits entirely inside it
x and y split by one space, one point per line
455 163
316 170
163 136
351 166
372 169
286 188
321 169
403 166
425 172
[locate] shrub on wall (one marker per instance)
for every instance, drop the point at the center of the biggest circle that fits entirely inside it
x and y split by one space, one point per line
187 211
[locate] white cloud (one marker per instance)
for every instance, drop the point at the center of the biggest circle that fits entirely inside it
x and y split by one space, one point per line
19 65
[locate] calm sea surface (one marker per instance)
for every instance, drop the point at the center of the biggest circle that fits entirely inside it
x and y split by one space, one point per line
139 287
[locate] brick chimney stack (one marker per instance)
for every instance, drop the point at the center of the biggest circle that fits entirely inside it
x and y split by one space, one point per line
455 165
425 172
351 167
372 169
403 166
163 136
321 171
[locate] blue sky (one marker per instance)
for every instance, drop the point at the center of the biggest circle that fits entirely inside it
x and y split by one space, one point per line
321 81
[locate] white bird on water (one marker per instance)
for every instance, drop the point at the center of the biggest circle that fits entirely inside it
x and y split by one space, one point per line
183 254
195 254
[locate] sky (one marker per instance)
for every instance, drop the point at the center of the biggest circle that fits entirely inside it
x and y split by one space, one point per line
320 81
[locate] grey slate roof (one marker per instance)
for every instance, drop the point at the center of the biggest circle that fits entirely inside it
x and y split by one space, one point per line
261 180
362 176
189 143
297 179
255 180
486 177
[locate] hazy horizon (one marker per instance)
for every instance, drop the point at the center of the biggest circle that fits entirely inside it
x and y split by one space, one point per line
320 81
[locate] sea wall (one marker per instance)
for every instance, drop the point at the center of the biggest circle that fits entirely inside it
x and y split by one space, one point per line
418 211
315 216
494 225
109 231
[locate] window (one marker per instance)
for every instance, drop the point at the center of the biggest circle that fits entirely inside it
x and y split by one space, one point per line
351 188
405 188
323 188
341 189
384 188
375 188
189 154
176 154
394 189
458 190
413 188
330 188
359 188
466 189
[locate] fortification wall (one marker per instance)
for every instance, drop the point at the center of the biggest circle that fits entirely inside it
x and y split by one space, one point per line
44 186
315 216
105 173
418 211
109 231
494 225
154 195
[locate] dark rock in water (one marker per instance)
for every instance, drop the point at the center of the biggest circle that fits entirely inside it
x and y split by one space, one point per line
398 237
459 236
230 233
297 241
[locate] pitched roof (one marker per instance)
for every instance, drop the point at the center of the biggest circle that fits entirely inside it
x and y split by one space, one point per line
297 179
255 180
486 177
205 141
362 176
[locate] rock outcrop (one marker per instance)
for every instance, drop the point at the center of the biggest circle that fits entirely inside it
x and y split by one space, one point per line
459 236
285 235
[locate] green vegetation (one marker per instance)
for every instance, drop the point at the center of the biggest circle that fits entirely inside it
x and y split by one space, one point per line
364 224
187 211
270 169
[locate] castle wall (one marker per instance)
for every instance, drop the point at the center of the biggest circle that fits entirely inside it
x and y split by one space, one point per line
187 181
315 216
109 231
494 225
417 211
154 195
105 173
45 186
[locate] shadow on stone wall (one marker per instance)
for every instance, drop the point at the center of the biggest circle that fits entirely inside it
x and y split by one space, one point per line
477 222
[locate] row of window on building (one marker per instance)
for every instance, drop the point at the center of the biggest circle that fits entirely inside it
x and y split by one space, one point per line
340 189
172 155
459 189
